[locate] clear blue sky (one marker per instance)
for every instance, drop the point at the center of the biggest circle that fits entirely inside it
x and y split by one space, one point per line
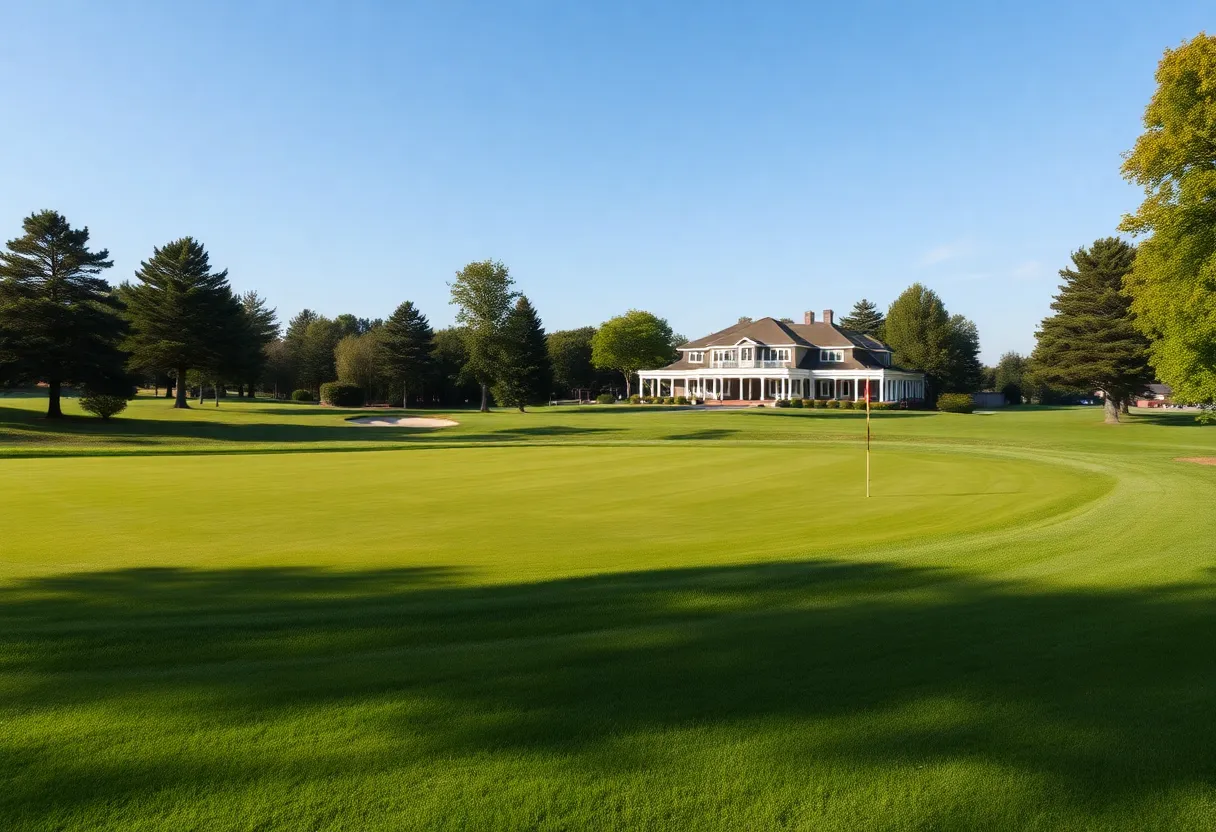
699 160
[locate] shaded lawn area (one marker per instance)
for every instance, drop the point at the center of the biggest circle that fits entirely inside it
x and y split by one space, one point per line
815 695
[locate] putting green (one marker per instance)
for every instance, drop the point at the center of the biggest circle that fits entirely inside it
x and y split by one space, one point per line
499 514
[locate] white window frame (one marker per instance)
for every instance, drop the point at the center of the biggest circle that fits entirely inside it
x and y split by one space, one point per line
775 354
831 356
726 355
825 388
696 356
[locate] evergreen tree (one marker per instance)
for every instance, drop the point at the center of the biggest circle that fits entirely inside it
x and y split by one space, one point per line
525 374
259 328
865 318
918 333
964 370
482 295
450 356
182 314
406 342
59 322
1009 377
1091 342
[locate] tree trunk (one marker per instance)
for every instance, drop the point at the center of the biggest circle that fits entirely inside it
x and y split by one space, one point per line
485 398
54 409
628 388
202 391
1111 407
405 396
1124 407
180 388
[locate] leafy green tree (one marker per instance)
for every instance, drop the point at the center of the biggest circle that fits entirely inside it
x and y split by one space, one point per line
406 343
59 322
570 358
1009 376
1091 342
452 385
358 360
865 318
482 294
315 360
279 375
525 374
631 342
919 334
1173 282
964 371
180 311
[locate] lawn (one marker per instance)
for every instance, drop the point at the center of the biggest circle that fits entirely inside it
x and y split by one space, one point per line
606 617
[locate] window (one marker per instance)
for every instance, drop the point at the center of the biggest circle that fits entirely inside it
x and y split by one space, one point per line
745 354
774 354
831 355
724 355
696 357
825 388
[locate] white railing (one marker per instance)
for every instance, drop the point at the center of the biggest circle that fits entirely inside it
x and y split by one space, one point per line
750 365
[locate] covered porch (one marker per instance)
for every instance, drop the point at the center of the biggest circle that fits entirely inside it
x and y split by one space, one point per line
884 387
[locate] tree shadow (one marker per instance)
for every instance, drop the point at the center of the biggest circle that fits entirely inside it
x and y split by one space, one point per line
709 433
1106 697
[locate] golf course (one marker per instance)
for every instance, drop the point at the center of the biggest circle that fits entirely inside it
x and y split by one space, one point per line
263 615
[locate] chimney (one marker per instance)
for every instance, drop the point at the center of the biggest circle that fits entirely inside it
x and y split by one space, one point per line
808 317
828 317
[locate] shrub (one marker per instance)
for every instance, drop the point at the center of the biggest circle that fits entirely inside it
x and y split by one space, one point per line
818 403
781 403
337 394
847 404
882 405
834 403
605 398
681 399
799 403
104 405
955 403
635 399
670 400
301 395
1206 415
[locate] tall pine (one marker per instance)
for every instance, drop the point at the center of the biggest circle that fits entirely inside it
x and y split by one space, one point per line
525 374
1090 343
59 322
406 342
865 318
182 314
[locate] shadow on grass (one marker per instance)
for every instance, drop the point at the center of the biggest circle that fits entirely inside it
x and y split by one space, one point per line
709 433
1106 695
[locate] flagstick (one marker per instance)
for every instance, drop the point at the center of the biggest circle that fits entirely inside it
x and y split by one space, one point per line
867 439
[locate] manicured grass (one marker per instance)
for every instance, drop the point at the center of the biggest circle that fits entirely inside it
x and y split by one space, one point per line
604 618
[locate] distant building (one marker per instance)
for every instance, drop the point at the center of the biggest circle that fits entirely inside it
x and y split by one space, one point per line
768 359
1157 395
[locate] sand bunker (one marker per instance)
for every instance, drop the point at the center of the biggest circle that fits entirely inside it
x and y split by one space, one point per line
404 422
1198 460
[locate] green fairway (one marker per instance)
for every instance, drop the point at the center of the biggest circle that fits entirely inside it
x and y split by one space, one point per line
262 617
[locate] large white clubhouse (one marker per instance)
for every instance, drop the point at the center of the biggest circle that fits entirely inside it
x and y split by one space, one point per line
768 359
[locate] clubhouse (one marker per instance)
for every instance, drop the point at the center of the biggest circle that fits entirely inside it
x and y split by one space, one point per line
768 359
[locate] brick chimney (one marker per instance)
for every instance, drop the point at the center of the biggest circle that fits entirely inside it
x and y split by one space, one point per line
808 317
829 317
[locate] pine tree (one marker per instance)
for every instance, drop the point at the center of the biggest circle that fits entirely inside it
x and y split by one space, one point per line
525 374
1090 342
865 318
181 312
406 342
259 327
59 322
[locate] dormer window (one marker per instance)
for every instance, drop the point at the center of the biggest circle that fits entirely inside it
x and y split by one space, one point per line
831 356
696 357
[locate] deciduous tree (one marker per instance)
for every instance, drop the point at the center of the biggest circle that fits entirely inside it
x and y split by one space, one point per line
482 294
634 341
1173 282
1090 342
59 322
525 374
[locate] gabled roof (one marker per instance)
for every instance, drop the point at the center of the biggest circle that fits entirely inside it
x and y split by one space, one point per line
771 332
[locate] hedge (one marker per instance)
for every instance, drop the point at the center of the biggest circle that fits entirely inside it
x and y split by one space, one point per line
635 399
681 399
605 398
955 403
301 395
337 394
799 403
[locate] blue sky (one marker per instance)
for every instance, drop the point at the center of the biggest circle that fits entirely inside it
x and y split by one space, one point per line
699 160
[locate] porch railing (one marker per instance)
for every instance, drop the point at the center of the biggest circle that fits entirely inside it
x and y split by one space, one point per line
750 365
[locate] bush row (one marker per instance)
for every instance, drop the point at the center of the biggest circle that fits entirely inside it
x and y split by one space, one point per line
636 399
834 404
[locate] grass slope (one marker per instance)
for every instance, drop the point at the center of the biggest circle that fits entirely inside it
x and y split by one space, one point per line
606 618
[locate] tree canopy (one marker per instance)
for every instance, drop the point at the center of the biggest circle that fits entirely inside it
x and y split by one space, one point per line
865 318
924 336
180 311
634 341
482 294
406 344
524 375
1173 282
59 322
1090 342
1009 376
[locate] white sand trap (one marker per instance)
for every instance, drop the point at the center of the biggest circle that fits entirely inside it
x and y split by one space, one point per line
404 422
